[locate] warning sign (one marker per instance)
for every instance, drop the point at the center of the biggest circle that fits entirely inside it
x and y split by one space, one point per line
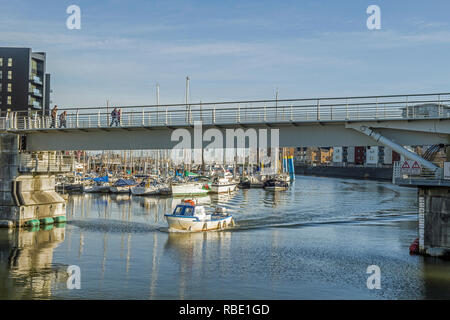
405 165
411 167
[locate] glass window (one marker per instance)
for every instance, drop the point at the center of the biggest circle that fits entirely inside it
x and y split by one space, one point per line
0 89
9 87
178 210
188 211
8 101
9 75
10 62
1 74
1 62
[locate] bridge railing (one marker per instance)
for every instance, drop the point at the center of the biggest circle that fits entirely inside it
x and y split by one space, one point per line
45 163
419 106
410 176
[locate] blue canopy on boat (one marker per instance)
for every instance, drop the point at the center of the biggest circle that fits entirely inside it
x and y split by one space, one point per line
101 179
124 183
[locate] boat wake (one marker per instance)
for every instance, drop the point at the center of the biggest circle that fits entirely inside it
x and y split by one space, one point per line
115 226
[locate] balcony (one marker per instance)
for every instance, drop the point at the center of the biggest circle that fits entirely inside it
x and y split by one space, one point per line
37 105
36 79
35 92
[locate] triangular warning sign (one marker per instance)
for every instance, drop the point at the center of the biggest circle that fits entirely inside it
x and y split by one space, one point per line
415 165
405 165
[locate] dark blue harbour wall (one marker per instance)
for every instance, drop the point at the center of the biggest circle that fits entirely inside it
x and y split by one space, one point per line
372 173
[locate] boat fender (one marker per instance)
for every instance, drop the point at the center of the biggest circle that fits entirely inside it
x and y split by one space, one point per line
414 247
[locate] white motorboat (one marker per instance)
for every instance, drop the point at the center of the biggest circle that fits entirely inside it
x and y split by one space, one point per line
189 189
96 188
145 189
191 217
122 186
223 185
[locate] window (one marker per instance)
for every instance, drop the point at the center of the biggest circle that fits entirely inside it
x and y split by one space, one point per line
9 75
1 74
9 62
8 100
1 62
178 211
9 87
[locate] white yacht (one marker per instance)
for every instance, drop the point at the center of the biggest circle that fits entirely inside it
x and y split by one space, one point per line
189 189
145 189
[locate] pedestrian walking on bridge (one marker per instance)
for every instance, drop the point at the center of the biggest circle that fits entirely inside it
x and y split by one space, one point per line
53 115
63 119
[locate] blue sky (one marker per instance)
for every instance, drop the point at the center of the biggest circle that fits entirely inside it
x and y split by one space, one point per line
232 49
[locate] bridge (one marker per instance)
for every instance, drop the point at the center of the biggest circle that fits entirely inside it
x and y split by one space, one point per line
420 119
392 120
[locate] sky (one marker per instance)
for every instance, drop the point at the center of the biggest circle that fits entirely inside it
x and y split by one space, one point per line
232 50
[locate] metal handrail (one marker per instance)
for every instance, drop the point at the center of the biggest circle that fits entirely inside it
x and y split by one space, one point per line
311 110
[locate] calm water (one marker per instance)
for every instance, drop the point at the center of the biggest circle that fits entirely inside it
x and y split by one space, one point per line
314 241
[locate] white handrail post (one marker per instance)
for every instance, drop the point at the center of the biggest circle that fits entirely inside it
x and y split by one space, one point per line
77 118
214 114
98 118
407 108
238 120
143 117
167 116
376 110
439 106
346 109
292 115
265 113
318 109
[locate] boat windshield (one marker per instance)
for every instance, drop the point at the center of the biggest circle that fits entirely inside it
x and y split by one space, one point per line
184 211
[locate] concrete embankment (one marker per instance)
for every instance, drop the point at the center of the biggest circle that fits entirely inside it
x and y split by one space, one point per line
372 173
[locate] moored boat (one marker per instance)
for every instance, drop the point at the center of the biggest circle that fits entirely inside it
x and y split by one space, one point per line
145 189
189 189
122 186
223 185
276 185
191 217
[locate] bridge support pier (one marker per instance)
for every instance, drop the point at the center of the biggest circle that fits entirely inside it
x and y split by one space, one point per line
434 221
24 197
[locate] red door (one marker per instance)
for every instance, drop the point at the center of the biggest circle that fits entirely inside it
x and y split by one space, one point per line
360 155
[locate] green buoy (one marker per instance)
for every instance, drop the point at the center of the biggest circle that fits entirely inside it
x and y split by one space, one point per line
32 223
46 221
60 219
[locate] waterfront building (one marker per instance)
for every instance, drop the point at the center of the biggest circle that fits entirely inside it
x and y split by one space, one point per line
24 83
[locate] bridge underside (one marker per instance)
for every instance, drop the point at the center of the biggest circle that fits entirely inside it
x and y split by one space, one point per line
323 134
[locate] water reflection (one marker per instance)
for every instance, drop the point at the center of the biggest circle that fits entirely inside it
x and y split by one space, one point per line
286 245
27 270
194 252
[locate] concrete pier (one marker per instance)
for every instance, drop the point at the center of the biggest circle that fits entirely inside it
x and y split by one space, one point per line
24 196
434 221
